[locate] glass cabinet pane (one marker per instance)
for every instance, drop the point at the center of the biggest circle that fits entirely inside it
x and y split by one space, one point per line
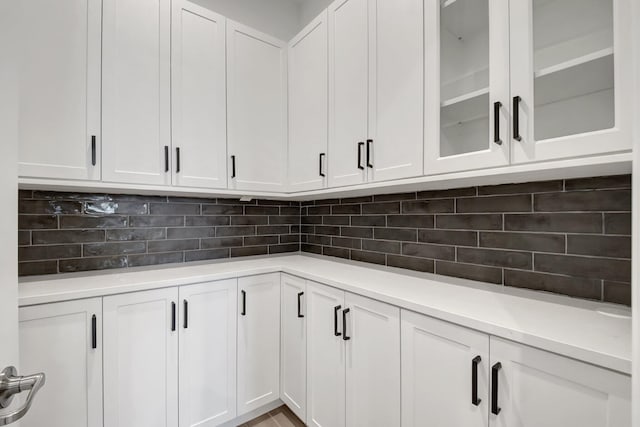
573 67
464 76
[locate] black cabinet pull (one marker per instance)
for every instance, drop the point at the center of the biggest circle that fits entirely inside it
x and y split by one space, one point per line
336 309
516 118
233 166
173 316
474 380
495 370
322 155
177 159
360 147
94 332
166 158
300 315
344 324
185 305
369 152
93 150
496 122
244 303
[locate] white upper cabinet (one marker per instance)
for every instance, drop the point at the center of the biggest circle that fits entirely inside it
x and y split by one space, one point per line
308 98
199 110
59 127
257 109
467 85
136 110
571 76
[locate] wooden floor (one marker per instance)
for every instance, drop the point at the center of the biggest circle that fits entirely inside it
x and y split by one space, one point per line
279 417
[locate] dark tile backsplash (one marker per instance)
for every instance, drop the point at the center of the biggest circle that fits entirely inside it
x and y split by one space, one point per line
571 237
69 232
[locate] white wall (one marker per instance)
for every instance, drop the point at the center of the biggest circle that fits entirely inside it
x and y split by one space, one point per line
279 18
310 9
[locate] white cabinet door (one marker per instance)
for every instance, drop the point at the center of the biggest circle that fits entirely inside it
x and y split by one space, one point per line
136 108
325 357
572 73
396 89
64 341
207 355
348 91
60 89
199 108
466 85
445 371
536 388
372 330
257 109
308 98
141 359
258 341
293 345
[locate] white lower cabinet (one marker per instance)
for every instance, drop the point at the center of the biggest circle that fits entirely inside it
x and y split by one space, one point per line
64 341
293 345
207 353
258 341
141 359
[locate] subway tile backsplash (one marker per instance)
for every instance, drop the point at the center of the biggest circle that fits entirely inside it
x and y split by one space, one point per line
571 237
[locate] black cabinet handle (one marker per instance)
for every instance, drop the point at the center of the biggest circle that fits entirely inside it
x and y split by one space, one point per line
495 370
516 118
93 150
474 380
244 303
94 332
166 158
177 159
233 166
496 122
369 152
185 305
173 316
336 309
300 315
322 155
360 147
344 324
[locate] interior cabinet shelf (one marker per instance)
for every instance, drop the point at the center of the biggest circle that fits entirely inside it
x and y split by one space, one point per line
575 62
465 97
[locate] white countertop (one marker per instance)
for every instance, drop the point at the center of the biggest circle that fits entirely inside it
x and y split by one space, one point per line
566 326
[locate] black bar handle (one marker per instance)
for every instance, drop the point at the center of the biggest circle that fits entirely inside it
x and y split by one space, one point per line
173 316
93 150
166 158
244 303
300 315
185 305
496 122
360 147
344 324
516 118
474 380
233 166
495 370
177 159
322 174
94 332
369 152
336 309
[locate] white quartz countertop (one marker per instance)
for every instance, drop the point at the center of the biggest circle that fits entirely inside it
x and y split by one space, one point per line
593 332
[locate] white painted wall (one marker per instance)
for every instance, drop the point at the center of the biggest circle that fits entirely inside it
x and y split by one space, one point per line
635 286
309 9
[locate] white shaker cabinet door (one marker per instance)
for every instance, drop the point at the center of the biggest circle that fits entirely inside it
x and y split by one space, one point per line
536 388
207 324
64 340
199 109
136 90
258 341
141 359
257 109
445 371
59 127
